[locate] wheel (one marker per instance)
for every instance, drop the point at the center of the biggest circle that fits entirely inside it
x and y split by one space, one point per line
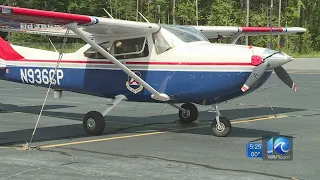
190 115
225 128
93 123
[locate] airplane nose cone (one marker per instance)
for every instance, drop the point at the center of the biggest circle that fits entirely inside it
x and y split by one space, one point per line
289 57
276 58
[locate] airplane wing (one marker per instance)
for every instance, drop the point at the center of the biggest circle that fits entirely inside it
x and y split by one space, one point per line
236 32
15 19
33 21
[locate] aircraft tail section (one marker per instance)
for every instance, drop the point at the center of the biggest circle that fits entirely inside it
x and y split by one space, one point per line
7 52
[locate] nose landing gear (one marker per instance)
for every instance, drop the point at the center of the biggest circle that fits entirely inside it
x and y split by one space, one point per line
220 126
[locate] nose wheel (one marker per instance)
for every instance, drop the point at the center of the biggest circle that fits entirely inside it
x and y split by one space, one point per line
221 126
223 129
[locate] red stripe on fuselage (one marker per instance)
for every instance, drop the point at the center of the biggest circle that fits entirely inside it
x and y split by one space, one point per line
194 63
138 62
62 61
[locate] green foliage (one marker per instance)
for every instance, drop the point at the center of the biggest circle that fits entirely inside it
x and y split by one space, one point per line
307 43
303 13
186 12
223 13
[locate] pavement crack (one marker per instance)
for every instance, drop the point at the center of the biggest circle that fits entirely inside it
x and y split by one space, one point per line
64 164
182 162
60 152
305 115
64 154
17 174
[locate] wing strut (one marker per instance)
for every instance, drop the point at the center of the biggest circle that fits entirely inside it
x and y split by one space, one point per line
235 38
155 94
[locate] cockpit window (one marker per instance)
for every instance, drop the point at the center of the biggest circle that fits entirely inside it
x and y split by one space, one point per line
93 54
128 45
185 33
130 48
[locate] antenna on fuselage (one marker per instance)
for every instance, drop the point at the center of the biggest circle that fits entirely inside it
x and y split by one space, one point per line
144 17
108 13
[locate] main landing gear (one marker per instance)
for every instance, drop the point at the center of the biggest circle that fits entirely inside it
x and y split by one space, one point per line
220 126
93 121
187 112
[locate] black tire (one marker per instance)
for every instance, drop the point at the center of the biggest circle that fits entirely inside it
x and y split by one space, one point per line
93 123
192 113
226 127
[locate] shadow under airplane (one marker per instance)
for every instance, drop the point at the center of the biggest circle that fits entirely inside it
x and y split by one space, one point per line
116 125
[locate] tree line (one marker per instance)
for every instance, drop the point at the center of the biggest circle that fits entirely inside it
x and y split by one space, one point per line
301 13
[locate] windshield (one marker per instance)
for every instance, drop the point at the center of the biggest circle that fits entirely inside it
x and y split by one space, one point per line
185 33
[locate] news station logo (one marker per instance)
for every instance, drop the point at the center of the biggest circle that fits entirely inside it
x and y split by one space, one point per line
277 148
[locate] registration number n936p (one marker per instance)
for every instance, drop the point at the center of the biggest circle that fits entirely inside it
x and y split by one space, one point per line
41 76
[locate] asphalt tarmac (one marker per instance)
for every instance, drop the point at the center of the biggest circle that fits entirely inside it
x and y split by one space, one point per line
146 141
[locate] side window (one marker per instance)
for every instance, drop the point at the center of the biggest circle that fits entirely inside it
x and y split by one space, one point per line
93 54
131 48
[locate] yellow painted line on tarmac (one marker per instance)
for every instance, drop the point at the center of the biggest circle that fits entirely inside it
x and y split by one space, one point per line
117 137
102 139
259 119
153 133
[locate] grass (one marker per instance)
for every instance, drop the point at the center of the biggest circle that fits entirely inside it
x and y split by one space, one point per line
313 54
68 48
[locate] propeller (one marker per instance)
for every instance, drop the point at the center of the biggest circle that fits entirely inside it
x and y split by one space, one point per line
284 76
260 69
255 75
262 66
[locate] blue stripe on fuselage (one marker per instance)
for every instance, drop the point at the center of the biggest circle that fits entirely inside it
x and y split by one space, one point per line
182 86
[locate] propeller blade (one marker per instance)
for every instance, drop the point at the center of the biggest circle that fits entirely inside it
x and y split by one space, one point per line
284 76
257 72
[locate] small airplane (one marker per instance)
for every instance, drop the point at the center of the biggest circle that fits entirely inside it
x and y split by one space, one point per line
141 62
